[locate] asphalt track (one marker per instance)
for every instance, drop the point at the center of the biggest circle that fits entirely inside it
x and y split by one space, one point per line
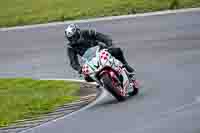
165 50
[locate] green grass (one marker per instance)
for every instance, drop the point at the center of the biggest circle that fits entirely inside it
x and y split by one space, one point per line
22 98
21 12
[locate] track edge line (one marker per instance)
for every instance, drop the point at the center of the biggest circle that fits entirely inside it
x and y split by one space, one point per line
108 18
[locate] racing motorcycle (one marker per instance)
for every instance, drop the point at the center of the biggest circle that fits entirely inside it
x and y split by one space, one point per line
109 73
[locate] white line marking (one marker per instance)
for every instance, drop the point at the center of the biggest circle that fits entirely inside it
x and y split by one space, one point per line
76 80
162 114
99 98
180 108
103 19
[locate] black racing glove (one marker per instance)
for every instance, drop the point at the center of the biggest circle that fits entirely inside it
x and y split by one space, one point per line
80 70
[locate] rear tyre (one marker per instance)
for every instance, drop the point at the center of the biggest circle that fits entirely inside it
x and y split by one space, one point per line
134 92
108 84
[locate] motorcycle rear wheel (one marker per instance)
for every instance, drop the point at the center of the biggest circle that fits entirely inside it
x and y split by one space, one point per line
134 92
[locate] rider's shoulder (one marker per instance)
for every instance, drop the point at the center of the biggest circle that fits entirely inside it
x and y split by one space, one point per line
88 32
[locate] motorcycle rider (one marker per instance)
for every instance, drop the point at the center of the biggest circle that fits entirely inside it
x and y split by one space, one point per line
80 40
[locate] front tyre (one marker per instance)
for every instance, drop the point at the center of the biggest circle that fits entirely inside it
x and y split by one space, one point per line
109 85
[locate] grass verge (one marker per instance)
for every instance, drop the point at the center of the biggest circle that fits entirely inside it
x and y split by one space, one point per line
21 12
22 98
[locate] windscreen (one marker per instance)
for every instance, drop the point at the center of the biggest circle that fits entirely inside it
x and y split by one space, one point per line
90 54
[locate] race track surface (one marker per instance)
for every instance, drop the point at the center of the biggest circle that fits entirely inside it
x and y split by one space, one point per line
165 50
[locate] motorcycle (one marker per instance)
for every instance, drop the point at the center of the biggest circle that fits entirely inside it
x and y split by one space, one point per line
109 73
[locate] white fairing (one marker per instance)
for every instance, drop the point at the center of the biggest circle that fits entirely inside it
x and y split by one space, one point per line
99 59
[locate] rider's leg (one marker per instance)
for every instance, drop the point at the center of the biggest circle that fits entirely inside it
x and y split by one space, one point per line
118 54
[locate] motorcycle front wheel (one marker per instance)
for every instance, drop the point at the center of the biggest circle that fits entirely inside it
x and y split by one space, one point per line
110 86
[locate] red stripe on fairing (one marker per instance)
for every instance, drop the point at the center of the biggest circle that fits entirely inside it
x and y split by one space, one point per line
117 89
